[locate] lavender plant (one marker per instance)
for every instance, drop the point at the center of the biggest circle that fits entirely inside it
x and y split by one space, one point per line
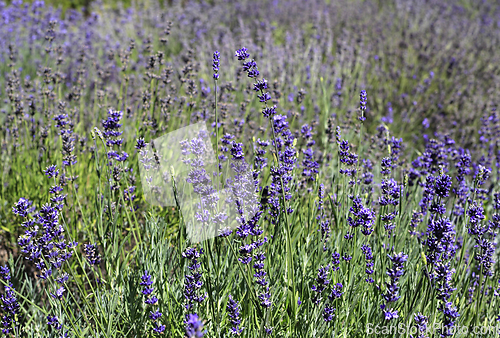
330 214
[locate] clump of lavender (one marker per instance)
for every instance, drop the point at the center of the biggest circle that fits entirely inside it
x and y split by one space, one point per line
416 219
440 240
260 156
329 310
386 166
443 185
391 294
421 322
207 213
428 194
361 217
433 160
112 135
215 64
362 105
480 178
225 147
194 326
193 282
140 144
309 164
151 299
483 235
9 306
22 207
65 126
147 289
440 244
54 322
442 276
92 254
322 282
244 188
58 198
395 145
389 200
367 175
233 309
367 251
43 241
390 192
281 173
335 261
348 159
283 141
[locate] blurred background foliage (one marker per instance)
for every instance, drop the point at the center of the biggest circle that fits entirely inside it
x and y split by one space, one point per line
115 4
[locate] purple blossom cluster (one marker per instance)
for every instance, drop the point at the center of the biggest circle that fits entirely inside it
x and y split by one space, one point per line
65 126
194 326
321 285
442 276
192 286
391 294
362 105
421 321
92 253
348 159
233 309
215 64
389 199
193 282
309 164
151 299
281 172
362 217
208 214
112 135
283 142
43 241
367 251
10 306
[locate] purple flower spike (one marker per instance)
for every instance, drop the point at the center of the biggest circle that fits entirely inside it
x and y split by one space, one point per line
233 309
194 326
215 64
242 54
9 305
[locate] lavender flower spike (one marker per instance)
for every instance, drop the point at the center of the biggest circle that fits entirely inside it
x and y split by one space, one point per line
233 309
215 64
194 326
10 307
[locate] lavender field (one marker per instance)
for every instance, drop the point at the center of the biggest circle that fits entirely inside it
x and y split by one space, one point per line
342 160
